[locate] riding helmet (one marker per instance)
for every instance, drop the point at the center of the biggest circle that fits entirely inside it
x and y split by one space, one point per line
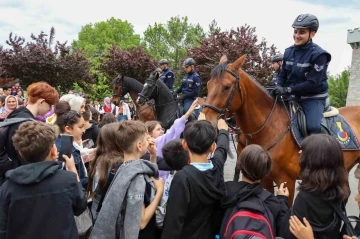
277 57
189 62
163 61
306 21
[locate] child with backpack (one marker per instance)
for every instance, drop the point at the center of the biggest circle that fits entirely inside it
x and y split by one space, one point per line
250 210
39 199
128 210
196 190
41 96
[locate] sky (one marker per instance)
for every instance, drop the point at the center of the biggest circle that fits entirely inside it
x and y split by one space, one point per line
272 19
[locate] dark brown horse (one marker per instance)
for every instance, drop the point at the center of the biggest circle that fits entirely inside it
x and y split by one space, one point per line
263 122
123 85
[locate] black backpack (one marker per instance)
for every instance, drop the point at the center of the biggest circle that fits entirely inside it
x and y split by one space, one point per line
6 163
249 219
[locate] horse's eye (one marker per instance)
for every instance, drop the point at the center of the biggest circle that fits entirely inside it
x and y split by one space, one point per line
226 88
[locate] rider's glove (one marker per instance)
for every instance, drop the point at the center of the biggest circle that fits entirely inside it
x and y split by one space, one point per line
281 90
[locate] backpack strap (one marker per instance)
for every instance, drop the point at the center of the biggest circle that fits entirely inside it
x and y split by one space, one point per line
341 212
107 185
264 195
11 121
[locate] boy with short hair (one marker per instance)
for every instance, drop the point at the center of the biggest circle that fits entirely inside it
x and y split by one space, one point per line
196 190
128 210
39 199
176 157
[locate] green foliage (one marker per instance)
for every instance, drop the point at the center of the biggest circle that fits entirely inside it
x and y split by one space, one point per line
171 40
338 88
96 38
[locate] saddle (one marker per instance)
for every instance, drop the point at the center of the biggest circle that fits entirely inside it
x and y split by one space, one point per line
297 110
332 124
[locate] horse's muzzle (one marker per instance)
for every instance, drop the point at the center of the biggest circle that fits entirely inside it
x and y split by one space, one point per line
140 101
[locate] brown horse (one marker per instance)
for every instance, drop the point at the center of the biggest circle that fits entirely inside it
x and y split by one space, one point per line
123 85
263 121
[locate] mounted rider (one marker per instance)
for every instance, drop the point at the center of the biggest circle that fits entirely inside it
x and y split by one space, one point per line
276 65
304 71
167 76
190 86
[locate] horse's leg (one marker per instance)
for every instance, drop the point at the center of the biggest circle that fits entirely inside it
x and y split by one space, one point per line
290 184
268 183
236 174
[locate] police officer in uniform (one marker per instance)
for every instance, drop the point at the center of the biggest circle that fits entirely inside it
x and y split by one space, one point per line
276 65
167 76
304 70
190 87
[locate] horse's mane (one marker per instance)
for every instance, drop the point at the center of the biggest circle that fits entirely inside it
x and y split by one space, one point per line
221 68
131 83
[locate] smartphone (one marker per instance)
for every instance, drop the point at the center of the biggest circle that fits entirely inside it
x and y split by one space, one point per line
89 144
66 145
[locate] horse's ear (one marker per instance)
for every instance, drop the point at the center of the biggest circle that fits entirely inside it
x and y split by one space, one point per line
239 62
223 59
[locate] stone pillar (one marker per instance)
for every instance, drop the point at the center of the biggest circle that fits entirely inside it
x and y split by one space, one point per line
353 96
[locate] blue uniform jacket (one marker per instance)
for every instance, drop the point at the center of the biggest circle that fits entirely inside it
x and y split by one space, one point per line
304 71
190 87
167 76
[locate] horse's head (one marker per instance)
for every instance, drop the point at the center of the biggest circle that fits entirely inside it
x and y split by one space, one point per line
119 88
224 90
150 88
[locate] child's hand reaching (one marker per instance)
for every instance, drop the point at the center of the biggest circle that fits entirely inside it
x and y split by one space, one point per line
152 147
222 125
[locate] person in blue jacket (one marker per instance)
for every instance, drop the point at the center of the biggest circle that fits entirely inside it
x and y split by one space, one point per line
303 72
276 65
167 76
190 86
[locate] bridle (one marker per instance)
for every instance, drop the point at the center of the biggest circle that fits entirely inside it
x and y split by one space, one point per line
122 86
146 98
225 110
227 106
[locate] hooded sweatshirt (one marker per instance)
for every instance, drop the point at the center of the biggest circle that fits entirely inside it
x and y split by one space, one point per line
120 214
321 216
10 150
39 200
194 198
241 191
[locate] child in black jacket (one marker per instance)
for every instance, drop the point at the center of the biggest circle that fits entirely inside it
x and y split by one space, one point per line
39 199
196 190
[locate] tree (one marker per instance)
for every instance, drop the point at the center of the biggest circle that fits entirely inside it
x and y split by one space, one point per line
37 61
233 43
96 38
338 88
171 40
135 63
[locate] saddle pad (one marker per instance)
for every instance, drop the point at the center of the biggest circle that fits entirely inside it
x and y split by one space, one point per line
338 128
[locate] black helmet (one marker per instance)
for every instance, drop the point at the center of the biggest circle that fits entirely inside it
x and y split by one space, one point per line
306 21
158 70
277 57
163 61
189 62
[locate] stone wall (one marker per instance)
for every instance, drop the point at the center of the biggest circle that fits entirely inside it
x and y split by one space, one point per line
353 97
